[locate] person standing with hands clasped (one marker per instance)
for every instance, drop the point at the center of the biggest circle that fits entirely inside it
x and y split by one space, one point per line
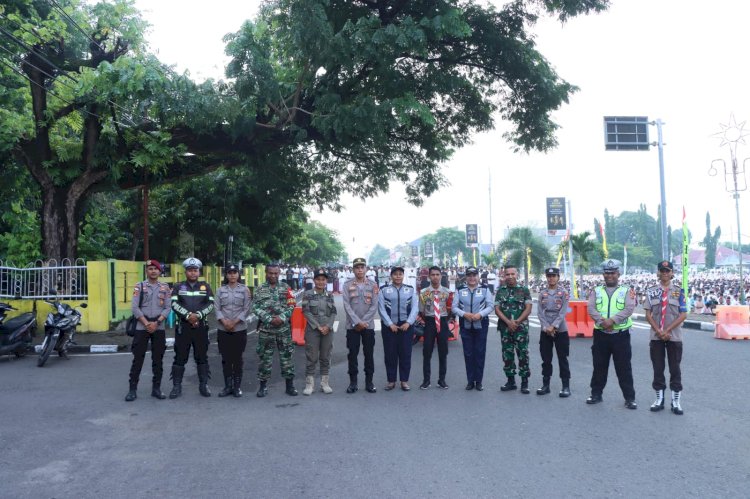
320 312
610 307
150 307
360 296
232 308
435 302
553 306
666 310
513 307
398 308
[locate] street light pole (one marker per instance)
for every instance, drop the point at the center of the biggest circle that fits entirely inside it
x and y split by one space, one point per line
664 240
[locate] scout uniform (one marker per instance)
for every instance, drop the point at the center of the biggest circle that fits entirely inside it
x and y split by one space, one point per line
552 308
435 306
319 310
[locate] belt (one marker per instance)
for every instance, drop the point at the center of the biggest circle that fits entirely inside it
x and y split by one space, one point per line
613 332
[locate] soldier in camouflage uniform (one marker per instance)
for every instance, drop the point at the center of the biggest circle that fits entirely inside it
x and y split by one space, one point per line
320 313
513 306
274 304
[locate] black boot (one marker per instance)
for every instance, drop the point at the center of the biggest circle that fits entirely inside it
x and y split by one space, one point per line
369 385
132 395
290 390
237 392
352 388
156 391
262 388
525 386
544 390
565 392
203 375
510 385
177 372
228 387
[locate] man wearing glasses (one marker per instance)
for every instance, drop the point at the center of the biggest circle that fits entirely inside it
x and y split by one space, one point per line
610 306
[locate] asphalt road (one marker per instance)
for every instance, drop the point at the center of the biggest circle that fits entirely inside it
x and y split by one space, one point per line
66 432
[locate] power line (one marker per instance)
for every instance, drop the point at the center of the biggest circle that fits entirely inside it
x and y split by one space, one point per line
83 32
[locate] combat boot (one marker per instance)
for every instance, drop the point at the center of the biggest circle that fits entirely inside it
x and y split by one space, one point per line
309 385
177 372
510 385
324 386
290 390
228 387
544 390
352 388
237 388
676 407
658 404
525 386
262 388
369 385
203 375
565 392
156 391
132 395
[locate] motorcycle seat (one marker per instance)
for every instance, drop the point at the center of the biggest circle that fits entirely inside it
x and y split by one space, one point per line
13 324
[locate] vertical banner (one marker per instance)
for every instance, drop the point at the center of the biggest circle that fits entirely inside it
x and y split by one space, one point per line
685 253
528 260
472 235
604 242
624 259
415 251
428 250
556 219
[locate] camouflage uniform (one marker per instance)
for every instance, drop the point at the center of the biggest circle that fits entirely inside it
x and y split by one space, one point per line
271 301
512 301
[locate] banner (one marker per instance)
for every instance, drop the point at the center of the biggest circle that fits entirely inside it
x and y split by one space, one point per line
604 242
472 235
528 259
429 249
556 216
415 251
685 253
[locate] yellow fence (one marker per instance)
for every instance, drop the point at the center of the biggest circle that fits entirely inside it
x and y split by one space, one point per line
110 290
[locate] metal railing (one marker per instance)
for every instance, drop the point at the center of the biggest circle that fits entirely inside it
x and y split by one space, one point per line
39 279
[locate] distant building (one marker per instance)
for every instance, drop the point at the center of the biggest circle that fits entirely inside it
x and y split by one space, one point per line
725 258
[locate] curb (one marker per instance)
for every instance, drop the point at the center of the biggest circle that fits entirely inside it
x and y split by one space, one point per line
699 325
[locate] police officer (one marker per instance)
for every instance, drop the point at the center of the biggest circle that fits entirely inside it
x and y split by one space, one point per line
232 308
274 304
360 303
553 306
398 307
435 302
666 310
192 301
150 307
610 307
320 312
472 303
513 307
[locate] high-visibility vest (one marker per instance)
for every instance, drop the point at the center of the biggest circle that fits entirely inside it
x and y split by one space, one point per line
604 305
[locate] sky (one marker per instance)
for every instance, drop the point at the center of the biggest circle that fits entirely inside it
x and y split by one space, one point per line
681 62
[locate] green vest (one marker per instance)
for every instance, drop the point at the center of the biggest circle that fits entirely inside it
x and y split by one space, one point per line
604 305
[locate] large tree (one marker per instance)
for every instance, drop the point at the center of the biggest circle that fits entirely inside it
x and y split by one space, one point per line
324 95
521 246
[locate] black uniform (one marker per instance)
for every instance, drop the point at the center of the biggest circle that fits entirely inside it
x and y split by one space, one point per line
194 298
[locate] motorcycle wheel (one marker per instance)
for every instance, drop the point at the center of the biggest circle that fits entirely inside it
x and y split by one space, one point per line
46 350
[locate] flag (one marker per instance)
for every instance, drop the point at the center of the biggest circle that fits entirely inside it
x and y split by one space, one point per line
460 259
528 259
604 242
685 251
624 259
475 256
559 257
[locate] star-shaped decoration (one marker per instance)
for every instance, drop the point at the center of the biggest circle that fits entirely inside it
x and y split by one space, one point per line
732 133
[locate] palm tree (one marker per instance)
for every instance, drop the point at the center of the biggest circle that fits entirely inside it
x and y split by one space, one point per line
521 242
585 250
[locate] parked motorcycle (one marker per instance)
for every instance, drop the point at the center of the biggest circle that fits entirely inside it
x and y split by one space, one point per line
16 334
59 330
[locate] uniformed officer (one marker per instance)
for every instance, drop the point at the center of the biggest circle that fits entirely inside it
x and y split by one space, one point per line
320 311
435 302
472 303
610 307
360 303
274 304
553 306
666 310
150 307
232 309
192 301
398 306
513 307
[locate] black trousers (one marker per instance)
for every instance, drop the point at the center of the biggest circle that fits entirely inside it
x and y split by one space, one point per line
139 347
353 339
673 351
430 335
231 347
617 346
561 343
188 336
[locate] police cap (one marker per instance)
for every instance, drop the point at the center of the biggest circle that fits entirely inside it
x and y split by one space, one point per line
611 266
192 263
231 268
359 261
552 271
397 268
666 264
471 270
320 272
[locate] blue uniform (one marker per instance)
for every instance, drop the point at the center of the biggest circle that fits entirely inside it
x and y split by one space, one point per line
397 305
473 333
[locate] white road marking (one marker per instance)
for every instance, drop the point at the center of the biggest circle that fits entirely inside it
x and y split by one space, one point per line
336 326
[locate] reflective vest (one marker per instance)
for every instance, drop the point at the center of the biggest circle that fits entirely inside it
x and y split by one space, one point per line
604 305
